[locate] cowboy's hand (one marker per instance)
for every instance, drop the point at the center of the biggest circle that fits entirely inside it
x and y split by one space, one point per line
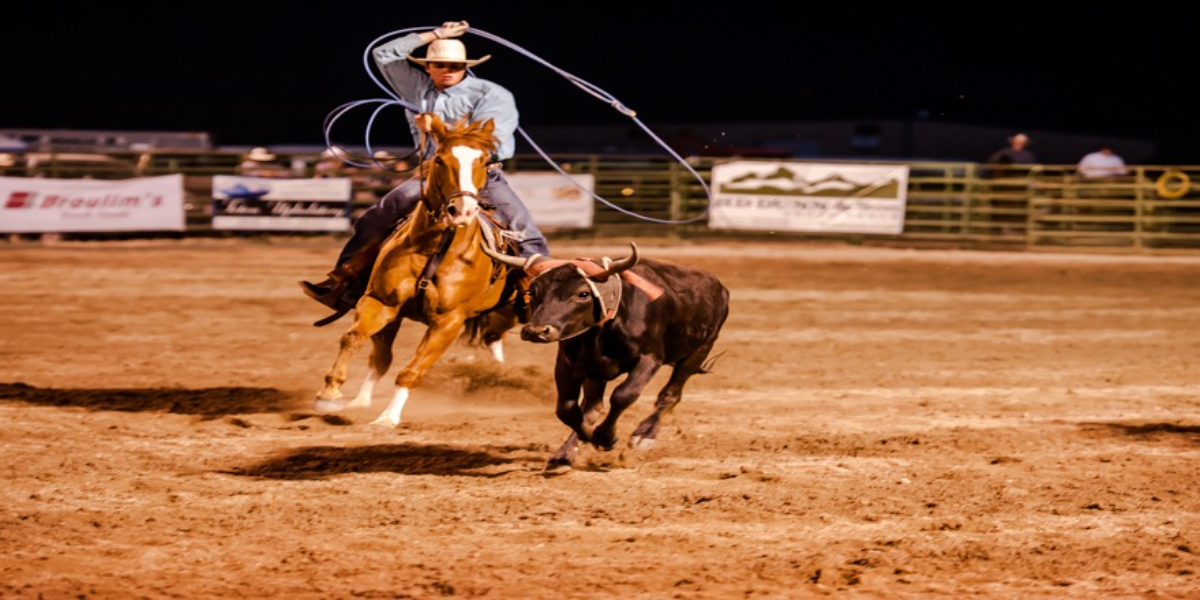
424 122
451 29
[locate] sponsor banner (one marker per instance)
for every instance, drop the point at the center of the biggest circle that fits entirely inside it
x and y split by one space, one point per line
809 197
271 204
41 205
553 200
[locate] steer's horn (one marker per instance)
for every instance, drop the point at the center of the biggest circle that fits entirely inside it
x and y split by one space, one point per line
623 264
513 261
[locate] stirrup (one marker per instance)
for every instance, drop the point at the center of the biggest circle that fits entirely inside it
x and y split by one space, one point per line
331 318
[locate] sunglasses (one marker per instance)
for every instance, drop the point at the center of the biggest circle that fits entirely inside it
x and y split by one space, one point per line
449 66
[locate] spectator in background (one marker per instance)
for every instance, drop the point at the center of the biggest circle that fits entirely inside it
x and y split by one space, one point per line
7 161
1104 162
331 163
261 163
387 172
1015 153
144 163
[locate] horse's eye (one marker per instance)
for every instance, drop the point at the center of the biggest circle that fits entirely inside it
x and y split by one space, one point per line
438 160
585 295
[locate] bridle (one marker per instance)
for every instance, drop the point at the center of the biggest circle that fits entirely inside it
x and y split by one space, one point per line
447 199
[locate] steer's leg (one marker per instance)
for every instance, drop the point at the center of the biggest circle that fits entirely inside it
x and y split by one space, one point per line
593 398
443 330
644 436
605 435
370 316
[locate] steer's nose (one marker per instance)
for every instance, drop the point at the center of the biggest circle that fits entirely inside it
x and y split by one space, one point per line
540 333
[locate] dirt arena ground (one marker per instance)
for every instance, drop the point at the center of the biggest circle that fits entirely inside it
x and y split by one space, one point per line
883 423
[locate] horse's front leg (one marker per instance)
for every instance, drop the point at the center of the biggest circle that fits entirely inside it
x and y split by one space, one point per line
443 330
370 316
381 361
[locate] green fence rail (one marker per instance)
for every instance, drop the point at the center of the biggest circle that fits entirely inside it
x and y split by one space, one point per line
1151 209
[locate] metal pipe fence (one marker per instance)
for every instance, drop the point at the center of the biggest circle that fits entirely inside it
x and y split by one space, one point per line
1150 209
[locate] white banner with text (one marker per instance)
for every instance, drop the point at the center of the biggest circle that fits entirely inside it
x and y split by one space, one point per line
809 197
41 205
552 200
270 204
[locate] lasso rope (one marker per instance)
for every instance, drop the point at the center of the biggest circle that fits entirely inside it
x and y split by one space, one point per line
594 91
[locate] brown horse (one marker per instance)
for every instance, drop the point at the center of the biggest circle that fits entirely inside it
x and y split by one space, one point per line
459 295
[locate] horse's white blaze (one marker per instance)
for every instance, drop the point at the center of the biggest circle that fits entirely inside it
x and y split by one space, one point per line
391 416
497 348
363 399
467 156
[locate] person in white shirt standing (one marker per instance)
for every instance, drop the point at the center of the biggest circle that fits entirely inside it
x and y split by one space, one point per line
1104 162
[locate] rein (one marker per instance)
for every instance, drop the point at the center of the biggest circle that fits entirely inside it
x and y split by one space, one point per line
435 261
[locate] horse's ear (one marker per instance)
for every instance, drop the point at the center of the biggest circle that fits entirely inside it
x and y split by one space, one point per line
489 126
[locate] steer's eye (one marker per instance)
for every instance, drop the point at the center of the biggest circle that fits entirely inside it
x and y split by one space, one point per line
585 296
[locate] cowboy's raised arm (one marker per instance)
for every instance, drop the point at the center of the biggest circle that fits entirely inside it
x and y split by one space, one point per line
392 57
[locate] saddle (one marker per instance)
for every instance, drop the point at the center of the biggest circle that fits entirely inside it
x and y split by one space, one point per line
348 282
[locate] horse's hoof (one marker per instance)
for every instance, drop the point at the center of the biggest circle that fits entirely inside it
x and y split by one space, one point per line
642 443
329 404
384 423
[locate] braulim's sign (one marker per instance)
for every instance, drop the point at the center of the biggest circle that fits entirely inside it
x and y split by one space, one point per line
553 200
268 204
809 197
39 205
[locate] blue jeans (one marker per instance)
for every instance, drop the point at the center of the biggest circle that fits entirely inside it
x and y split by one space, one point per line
379 220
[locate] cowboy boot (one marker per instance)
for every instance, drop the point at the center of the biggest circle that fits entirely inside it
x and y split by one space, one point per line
344 285
336 291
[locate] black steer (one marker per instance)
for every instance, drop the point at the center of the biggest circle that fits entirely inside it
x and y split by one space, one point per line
615 318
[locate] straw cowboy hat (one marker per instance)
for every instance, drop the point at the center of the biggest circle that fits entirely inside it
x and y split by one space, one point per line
335 152
448 51
261 154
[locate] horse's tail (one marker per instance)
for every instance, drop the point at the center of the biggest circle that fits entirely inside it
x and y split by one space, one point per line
474 330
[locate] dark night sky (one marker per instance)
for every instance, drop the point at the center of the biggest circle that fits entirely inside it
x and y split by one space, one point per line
268 73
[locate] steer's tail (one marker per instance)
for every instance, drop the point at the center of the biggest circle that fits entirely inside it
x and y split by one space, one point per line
708 364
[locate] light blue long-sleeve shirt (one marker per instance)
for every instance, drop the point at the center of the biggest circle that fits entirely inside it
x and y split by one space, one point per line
476 99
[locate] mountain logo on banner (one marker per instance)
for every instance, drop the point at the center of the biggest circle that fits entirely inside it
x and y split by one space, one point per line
785 182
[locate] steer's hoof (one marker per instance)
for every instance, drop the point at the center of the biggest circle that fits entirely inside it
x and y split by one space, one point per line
329 404
556 466
642 443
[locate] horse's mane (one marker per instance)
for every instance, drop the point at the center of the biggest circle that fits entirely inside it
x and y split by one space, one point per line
472 133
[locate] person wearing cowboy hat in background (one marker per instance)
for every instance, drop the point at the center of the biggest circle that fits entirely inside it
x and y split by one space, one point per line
387 170
439 84
260 162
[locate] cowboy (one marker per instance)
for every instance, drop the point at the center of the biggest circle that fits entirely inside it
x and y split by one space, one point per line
438 84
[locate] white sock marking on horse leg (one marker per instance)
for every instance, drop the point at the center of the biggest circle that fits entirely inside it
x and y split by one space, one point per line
363 399
391 416
497 348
